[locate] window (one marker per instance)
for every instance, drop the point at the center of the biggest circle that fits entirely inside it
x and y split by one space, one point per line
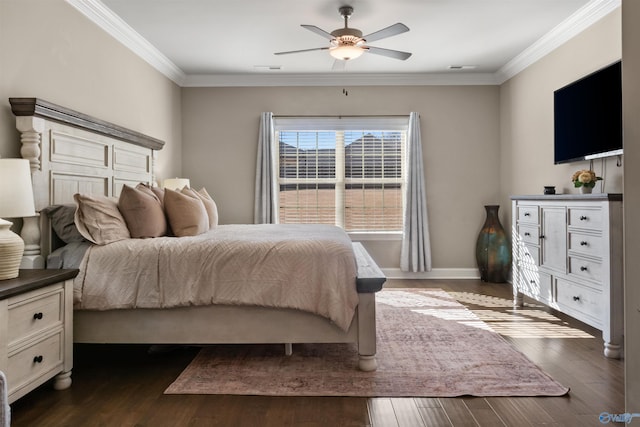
347 172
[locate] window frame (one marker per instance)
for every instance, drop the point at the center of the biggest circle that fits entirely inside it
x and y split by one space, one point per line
340 125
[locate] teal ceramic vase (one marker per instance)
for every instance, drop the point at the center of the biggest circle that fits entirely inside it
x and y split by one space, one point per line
493 251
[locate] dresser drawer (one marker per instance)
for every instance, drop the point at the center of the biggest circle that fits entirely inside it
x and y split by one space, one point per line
529 234
580 299
528 214
589 218
36 313
586 244
529 256
585 269
30 362
535 284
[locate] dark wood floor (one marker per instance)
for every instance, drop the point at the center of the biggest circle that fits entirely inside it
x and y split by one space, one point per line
123 385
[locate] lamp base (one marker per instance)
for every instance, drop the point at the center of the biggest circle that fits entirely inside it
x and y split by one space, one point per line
11 249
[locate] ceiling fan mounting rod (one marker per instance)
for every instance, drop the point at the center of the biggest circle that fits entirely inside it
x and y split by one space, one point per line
347 32
345 12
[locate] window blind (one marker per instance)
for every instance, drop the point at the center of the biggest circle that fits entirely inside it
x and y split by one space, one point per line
347 172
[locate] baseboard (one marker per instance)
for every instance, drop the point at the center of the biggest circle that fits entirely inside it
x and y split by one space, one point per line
436 273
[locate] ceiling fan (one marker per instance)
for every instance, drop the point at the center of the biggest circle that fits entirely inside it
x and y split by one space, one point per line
348 43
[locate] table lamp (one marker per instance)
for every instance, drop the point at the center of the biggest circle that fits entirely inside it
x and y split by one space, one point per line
176 183
16 201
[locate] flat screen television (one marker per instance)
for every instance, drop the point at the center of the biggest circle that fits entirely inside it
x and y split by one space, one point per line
588 116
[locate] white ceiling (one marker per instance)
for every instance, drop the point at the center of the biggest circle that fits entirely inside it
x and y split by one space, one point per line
207 41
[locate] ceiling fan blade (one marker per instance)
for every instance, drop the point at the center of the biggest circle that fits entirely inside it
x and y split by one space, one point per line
392 30
396 54
339 65
318 31
300 51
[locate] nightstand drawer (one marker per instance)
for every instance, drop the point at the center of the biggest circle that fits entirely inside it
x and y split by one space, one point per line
30 362
34 312
36 320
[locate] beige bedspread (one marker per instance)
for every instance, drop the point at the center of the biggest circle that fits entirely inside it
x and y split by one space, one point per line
305 267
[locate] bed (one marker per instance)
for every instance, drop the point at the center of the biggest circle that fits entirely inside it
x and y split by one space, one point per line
72 153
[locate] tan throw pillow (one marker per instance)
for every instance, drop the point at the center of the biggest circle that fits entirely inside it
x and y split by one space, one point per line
186 212
157 191
142 211
210 206
99 220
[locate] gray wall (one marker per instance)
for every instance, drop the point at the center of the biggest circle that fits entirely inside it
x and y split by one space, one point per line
460 136
526 114
49 50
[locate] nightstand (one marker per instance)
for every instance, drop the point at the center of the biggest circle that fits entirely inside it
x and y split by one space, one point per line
36 330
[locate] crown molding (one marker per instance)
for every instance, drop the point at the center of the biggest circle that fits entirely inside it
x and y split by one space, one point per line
102 16
586 16
583 18
340 79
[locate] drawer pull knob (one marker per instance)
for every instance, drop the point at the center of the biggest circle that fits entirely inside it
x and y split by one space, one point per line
527 234
542 236
38 359
576 298
527 214
584 243
37 316
583 218
583 268
533 282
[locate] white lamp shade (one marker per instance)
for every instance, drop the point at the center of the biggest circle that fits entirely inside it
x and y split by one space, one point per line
176 183
16 191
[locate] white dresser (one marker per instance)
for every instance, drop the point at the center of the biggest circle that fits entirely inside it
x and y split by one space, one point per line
567 253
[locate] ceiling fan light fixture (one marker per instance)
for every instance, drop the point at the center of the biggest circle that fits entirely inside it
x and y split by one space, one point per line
346 52
349 43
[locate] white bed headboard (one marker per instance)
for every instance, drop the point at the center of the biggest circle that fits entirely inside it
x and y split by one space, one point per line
71 152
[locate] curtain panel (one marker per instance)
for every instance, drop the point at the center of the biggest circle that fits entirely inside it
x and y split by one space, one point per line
265 203
415 254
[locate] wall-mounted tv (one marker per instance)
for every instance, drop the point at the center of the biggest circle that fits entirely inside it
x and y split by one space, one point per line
588 116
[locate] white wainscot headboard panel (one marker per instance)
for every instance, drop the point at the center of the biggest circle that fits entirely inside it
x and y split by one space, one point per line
71 152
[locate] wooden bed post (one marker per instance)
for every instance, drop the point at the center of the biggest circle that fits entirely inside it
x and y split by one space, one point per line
370 280
367 332
31 129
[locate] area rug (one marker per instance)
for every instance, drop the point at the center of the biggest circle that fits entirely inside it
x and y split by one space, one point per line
429 345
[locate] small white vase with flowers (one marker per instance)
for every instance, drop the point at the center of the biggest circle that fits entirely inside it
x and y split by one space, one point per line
585 180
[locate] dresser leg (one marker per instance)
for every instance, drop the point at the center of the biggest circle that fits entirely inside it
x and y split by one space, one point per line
518 299
613 351
62 381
